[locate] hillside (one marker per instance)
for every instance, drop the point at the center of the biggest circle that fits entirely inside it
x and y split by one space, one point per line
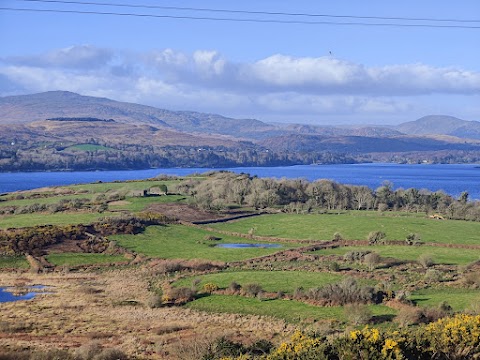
106 132
441 125
61 130
54 104
363 144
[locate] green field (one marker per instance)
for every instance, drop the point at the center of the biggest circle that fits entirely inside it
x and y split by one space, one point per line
103 187
182 242
289 310
13 262
458 299
271 281
28 220
89 147
439 255
136 204
75 259
356 226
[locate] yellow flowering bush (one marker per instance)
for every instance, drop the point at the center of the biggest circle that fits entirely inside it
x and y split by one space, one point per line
453 338
300 346
456 337
210 287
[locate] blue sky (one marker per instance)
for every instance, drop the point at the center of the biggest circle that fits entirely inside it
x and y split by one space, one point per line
303 73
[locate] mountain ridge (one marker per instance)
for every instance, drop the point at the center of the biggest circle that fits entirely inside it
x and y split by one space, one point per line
56 104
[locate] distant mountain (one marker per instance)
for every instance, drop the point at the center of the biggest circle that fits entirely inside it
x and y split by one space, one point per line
63 104
113 133
51 120
441 125
370 131
363 144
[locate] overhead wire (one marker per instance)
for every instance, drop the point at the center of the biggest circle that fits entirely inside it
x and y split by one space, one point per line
235 19
250 12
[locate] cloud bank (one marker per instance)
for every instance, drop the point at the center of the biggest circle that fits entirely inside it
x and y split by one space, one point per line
279 86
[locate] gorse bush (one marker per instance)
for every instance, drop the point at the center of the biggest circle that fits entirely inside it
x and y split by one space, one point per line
453 338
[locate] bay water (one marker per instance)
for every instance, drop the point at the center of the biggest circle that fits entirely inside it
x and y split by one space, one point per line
452 179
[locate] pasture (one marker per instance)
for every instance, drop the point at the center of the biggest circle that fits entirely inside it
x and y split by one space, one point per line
439 255
182 242
288 310
355 226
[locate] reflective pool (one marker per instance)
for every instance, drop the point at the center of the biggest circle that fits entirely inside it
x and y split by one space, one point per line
11 293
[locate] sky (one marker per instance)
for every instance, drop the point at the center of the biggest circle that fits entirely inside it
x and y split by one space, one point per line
277 68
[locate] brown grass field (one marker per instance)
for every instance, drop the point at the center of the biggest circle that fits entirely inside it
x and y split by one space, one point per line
110 308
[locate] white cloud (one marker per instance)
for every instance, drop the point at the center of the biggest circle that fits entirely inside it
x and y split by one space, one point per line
207 81
73 57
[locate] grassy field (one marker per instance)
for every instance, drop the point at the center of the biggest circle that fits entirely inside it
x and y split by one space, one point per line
127 186
182 242
289 310
13 262
135 204
98 303
357 226
75 259
411 253
458 299
271 281
27 220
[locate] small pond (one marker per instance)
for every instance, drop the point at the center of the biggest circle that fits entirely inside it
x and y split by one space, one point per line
244 246
9 294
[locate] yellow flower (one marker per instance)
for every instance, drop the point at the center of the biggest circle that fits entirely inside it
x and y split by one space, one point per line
389 345
354 334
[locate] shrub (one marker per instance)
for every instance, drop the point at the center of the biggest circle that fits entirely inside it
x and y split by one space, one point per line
412 239
347 291
375 237
210 288
110 354
371 260
408 315
234 287
472 279
154 301
358 314
432 276
180 295
425 260
252 289
334 266
299 293
355 255
337 236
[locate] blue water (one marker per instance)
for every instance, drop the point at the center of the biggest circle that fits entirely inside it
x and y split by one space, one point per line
452 179
6 296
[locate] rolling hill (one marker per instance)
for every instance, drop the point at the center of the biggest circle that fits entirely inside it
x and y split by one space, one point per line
40 129
441 125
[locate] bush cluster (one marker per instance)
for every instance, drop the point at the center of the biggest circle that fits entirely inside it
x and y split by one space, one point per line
348 291
455 337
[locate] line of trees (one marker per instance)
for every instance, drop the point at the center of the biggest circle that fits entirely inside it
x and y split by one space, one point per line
222 190
31 157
